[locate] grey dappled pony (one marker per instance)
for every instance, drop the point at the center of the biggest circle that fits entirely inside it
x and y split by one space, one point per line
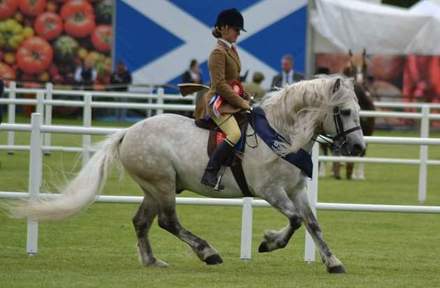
166 154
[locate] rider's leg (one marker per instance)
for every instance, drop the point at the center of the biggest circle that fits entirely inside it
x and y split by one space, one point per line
229 126
224 151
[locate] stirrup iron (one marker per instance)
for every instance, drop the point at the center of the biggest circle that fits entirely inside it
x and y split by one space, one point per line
218 186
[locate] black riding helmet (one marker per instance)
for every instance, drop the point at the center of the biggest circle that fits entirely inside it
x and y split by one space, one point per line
231 17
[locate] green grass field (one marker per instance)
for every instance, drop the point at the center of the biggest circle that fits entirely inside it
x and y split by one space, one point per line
97 248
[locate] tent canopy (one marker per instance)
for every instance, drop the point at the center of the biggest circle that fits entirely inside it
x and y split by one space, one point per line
381 29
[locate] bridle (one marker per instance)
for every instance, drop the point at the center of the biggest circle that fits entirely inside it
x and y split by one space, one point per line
339 141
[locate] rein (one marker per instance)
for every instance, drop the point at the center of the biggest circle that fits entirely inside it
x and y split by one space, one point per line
338 141
252 122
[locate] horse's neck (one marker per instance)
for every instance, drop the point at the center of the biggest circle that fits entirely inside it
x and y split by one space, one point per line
279 117
275 119
364 100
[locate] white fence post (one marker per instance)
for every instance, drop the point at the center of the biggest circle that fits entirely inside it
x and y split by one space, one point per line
39 108
246 230
160 95
423 170
309 250
48 115
11 114
35 175
40 103
148 111
87 122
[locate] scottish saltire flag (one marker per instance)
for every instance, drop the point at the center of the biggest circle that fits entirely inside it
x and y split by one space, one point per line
158 38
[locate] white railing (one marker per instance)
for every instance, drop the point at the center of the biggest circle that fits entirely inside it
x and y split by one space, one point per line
405 105
44 103
35 179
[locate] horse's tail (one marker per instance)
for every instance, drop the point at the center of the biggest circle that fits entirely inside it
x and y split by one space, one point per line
80 192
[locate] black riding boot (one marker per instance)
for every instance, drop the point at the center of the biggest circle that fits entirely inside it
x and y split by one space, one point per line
219 157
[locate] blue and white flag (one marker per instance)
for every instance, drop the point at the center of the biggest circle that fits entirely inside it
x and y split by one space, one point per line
157 38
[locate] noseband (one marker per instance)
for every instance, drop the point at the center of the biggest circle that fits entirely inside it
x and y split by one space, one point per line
338 141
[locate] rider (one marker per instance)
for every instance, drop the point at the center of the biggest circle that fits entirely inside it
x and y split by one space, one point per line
226 95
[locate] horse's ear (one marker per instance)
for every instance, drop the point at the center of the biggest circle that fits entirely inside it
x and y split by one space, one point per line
337 85
350 53
364 53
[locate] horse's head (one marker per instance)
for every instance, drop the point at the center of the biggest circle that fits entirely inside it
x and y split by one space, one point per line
341 122
357 66
326 105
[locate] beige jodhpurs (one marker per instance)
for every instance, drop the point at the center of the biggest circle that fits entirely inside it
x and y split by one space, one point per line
229 126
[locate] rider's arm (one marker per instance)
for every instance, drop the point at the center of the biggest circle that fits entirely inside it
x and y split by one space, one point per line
217 66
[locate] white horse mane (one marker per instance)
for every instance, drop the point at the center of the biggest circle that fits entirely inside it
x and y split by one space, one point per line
298 109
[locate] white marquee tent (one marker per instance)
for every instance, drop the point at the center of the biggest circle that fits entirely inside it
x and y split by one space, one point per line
340 25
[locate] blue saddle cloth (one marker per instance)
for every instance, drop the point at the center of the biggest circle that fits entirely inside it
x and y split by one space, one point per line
301 159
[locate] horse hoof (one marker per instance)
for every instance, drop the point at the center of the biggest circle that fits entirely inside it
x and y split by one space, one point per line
263 247
214 260
336 269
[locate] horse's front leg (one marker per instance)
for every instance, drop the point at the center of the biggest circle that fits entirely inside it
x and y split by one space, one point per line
333 264
272 239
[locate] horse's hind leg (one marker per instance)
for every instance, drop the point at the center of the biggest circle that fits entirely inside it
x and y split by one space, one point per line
142 222
333 264
168 220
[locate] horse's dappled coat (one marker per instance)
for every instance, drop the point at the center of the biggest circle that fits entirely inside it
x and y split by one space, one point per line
166 153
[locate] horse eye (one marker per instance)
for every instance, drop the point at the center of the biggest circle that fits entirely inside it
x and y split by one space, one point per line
346 112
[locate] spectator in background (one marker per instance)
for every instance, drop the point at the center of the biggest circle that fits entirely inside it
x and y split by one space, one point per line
288 75
420 78
120 78
254 88
193 74
85 75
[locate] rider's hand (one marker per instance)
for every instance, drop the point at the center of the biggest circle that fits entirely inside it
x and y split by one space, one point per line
246 105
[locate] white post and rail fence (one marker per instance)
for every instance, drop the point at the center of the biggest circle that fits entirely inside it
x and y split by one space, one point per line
36 130
44 103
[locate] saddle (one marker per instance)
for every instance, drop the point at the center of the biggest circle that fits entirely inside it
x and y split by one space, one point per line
216 136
